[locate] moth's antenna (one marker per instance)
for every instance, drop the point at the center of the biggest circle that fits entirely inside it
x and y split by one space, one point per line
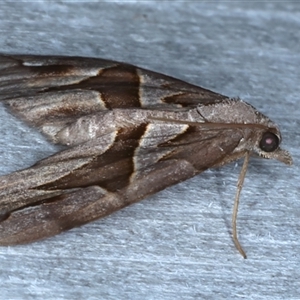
236 204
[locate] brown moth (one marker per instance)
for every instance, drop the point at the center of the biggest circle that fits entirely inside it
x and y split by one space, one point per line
129 133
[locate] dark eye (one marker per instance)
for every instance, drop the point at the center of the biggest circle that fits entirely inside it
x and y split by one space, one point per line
269 142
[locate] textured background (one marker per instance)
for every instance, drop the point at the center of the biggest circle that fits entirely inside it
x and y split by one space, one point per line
176 244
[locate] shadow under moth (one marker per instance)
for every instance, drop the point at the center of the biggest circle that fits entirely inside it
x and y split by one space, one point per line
128 133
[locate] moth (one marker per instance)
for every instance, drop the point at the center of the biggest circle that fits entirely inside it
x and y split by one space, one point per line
128 133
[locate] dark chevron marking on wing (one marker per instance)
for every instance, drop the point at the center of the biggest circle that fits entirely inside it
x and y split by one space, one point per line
117 85
158 89
149 152
110 170
112 83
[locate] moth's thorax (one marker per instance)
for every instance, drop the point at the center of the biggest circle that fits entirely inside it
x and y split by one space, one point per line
234 111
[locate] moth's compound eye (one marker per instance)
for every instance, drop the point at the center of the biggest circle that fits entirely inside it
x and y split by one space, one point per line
269 142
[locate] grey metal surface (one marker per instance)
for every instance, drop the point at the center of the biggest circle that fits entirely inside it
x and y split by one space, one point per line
176 244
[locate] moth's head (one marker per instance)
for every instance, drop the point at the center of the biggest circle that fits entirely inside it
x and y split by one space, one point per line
261 136
266 145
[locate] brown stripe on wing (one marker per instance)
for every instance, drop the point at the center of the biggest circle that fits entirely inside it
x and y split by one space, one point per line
118 86
158 89
186 98
22 80
56 107
149 153
110 170
202 148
